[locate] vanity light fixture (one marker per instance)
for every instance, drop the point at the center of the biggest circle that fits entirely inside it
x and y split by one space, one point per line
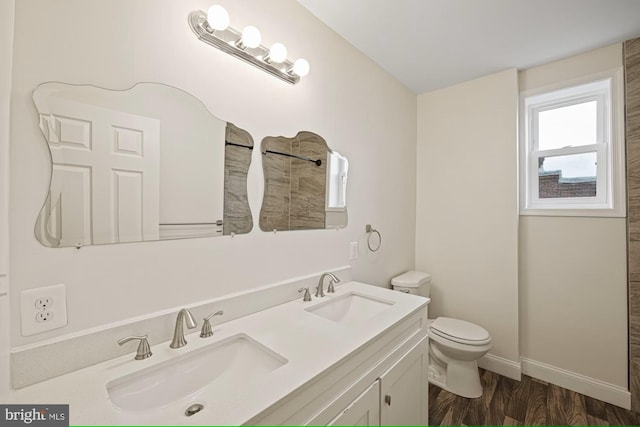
213 28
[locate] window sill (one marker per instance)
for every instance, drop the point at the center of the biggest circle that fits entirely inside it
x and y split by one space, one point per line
597 213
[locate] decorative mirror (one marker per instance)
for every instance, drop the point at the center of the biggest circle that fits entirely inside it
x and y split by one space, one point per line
305 184
147 163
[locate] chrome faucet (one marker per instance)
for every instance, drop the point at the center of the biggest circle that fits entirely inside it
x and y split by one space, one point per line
184 315
330 288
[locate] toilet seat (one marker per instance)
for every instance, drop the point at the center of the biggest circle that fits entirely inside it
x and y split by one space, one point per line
460 331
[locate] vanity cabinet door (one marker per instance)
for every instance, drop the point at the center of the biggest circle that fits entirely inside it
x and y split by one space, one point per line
363 411
404 389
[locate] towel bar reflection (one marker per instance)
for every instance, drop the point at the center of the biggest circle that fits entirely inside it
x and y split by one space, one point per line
306 159
248 147
370 232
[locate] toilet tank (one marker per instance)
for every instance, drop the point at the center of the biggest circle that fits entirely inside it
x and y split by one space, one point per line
412 282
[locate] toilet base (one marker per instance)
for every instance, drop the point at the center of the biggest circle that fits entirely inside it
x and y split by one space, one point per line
458 377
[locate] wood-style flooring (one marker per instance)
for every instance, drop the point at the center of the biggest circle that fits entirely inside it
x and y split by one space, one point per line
528 402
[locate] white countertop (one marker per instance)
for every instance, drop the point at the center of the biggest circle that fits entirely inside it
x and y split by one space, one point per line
311 345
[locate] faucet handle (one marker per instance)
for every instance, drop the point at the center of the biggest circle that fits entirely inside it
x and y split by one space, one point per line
330 288
144 351
307 294
206 331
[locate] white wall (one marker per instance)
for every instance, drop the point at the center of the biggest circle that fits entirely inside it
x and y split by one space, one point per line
467 220
6 50
359 109
573 273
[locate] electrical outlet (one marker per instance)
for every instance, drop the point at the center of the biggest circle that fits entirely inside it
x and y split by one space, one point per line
43 303
43 309
44 316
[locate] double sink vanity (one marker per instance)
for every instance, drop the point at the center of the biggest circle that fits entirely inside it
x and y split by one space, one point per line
358 355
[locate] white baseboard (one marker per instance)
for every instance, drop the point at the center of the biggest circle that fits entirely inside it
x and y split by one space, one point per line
499 365
592 387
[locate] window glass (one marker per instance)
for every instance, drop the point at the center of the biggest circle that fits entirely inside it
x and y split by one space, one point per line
571 126
337 191
573 175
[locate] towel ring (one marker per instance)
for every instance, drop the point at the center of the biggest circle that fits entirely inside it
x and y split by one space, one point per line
370 231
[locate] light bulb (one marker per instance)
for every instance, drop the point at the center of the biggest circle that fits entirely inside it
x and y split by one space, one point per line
277 53
300 67
251 37
218 18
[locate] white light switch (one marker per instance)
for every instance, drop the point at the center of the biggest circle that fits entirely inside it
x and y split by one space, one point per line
353 250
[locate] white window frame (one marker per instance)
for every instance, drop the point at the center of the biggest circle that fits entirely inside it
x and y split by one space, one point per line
336 182
607 90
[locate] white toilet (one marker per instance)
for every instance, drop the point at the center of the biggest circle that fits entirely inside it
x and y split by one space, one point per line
454 345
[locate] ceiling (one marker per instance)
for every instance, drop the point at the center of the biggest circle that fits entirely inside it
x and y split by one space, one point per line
430 44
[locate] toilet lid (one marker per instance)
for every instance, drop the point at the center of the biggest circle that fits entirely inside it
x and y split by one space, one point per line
460 331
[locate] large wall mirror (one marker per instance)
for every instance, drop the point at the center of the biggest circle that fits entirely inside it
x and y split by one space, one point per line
147 163
305 184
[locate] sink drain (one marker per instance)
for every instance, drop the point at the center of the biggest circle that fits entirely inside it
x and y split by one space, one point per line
193 409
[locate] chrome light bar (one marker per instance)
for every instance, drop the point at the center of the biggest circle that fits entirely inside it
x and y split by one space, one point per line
233 42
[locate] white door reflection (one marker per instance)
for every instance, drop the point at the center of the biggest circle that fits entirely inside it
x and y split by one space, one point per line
105 178
141 164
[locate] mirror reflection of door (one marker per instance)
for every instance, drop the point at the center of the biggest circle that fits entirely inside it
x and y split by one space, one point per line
146 163
105 177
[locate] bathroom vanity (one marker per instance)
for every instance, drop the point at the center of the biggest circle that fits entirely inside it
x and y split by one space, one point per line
356 356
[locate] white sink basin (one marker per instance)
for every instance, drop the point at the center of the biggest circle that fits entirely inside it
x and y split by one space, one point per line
350 308
223 365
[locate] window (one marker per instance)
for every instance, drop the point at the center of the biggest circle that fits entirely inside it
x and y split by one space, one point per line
337 169
572 151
